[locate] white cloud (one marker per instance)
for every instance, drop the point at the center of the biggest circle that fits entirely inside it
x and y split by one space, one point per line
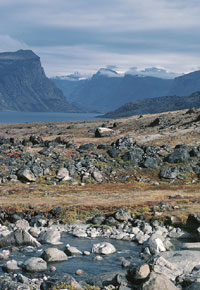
88 59
9 44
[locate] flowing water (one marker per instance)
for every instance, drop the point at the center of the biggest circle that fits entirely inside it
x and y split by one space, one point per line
129 250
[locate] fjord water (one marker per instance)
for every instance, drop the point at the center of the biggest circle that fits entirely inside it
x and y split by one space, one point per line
30 117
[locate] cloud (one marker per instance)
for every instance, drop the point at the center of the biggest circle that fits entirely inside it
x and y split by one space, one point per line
88 34
9 44
154 72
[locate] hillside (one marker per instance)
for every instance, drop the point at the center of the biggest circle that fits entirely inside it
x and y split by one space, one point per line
25 87
156 105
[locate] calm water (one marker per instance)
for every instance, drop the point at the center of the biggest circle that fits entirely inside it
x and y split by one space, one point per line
29 117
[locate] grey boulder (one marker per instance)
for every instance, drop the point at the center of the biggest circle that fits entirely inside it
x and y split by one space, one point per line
34 265
54 255
103 248
50 237
19 238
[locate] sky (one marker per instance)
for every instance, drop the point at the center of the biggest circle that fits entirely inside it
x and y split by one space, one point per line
85 35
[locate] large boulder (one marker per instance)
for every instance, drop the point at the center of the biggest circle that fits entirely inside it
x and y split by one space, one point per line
139 272
104 132
179 155
87 147
158 282
54 255
169 172
50 237
135 155
161 266
184 260
155 244
103 248
34 265
19 238
122 214
25 174
63 174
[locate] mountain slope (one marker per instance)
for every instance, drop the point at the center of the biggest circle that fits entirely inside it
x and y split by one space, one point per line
107 90
25 87
156 105
186 84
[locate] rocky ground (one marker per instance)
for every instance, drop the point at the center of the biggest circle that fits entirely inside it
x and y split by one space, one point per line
73 170
162 264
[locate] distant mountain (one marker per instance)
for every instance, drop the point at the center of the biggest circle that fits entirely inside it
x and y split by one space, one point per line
186 84
156 105
25 87
107 90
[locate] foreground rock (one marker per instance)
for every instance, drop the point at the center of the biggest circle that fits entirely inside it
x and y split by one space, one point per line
6 284
185 261
34 265
158 282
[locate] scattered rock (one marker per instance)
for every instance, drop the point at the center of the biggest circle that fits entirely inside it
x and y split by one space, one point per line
50 237
54 255
11 266
169 172
103 248
63 174
104 132
72 251
25 174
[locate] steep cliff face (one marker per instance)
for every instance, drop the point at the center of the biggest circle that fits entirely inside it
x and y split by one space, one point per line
25 87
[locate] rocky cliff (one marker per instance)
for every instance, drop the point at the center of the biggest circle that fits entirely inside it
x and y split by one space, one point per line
25 87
